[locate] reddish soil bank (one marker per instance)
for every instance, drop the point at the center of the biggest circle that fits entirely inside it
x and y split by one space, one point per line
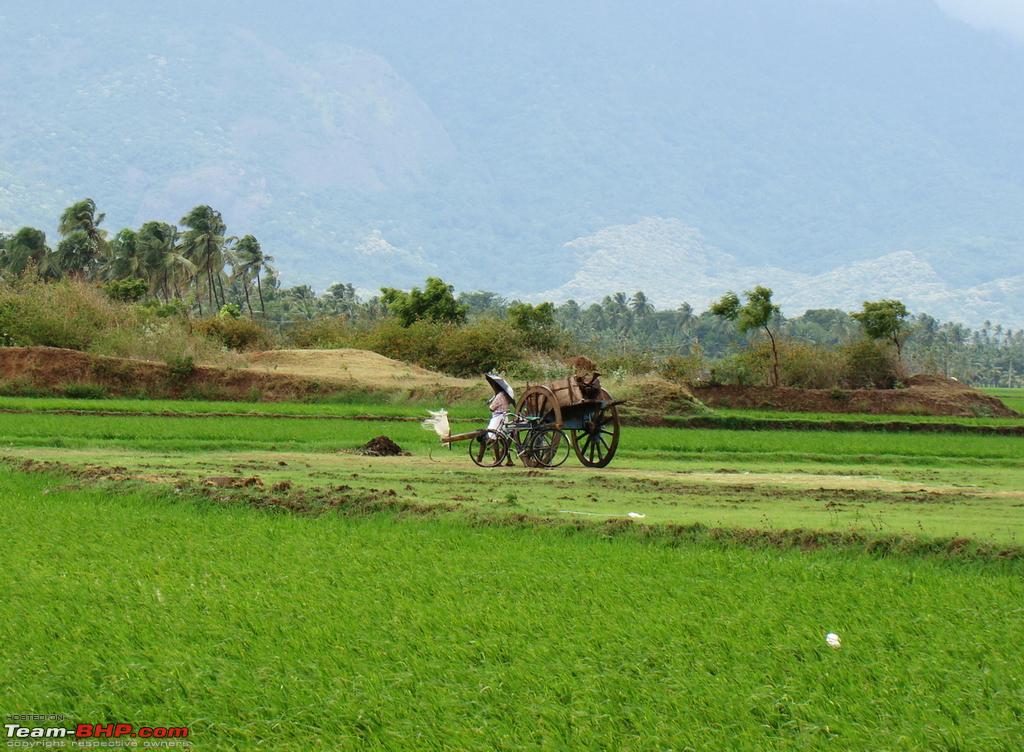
50 370
923 395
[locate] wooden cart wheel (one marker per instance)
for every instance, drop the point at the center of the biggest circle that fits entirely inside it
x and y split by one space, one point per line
595 443
538 403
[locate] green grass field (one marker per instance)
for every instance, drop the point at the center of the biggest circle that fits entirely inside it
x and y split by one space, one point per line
940 485
523 610
389 408
286 632
726 414
376 408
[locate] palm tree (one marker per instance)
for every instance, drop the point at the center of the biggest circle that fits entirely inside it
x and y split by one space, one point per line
84 242
165 264
250 261
126 262
82 215
76 255
203 245
640 304
616 306
246 260
305 300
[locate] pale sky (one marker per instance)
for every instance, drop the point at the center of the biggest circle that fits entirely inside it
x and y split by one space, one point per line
1006 16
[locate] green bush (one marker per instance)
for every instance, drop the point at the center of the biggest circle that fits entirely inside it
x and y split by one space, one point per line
632 363
22 387
328 333
806 366
181 367
682 369
58 314
235 334
801 365
867 364
126 290
85 391
467 350
417 343
742 369
486 345
165 310
460 350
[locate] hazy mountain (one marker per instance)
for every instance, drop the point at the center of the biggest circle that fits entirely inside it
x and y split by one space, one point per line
673 263
376 143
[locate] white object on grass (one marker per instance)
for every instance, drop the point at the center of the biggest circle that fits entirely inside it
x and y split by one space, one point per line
438 423
833 640
634 515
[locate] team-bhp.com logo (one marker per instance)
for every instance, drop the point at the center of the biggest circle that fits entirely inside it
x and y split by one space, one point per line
83 733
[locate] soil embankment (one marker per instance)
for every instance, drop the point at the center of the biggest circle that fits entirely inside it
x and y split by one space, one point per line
307 375
923 395
55 371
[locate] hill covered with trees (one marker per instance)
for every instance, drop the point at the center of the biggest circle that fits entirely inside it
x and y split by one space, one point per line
475 142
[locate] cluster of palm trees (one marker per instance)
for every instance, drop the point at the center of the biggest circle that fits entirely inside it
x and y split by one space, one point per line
197 262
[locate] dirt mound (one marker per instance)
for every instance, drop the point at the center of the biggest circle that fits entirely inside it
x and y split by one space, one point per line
382 446
924 395
936 381
649 400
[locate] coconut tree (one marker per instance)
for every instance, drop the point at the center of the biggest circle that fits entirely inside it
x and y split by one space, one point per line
246 260
250 261
203 245
640 305
126 262
82 215
616 309
83 246
165 263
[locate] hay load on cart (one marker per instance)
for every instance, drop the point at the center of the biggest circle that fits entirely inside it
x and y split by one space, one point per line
583 409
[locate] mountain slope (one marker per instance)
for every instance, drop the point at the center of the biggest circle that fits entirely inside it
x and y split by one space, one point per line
802 135
672 263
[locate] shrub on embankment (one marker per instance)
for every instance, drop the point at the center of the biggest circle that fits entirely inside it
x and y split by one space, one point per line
861 364
459 350
76 315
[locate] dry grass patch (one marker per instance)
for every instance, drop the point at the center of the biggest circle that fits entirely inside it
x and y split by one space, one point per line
370 369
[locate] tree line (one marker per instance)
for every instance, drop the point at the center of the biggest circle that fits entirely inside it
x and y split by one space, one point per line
196 262
198 266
